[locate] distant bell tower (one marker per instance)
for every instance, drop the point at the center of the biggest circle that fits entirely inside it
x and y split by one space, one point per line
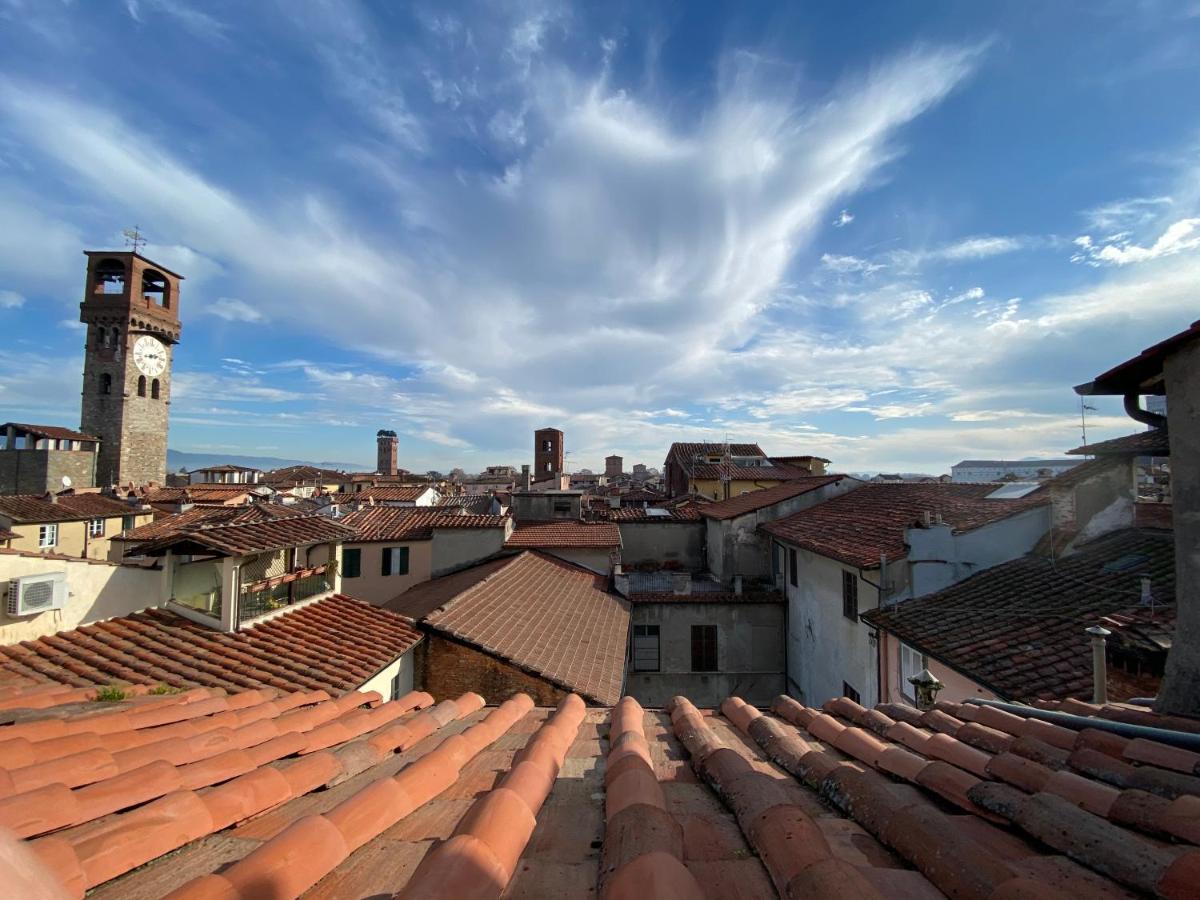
547 453
131 309
387 456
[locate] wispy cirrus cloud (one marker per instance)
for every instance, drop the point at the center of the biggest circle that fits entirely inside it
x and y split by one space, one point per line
1120 249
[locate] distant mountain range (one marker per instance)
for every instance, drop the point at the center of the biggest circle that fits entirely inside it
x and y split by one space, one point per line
179 459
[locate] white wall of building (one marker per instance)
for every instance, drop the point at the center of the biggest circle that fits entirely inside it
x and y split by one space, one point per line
825 648
938 558
385 680
95 591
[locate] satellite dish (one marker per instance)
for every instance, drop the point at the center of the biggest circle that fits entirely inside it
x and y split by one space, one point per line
66 481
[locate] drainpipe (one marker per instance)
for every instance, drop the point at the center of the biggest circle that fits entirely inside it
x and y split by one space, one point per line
1099 664
1133 409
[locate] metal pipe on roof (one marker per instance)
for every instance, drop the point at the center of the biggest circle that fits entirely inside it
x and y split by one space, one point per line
1133 409
1184 739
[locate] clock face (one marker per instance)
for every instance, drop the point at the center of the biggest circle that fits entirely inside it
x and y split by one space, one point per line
149 355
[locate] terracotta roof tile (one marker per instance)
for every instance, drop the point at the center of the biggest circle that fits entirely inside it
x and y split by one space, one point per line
857 527
421 599
204 516
333 644
1152 442
683 513
331 799
413 523
33 508
54 432
685 453
544 615
243 538
756 500
397 494
566 533
1018 628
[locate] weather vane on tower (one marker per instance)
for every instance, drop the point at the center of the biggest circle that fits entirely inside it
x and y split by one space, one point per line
134 239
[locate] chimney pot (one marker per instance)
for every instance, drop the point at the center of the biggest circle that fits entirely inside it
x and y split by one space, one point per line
927 687
1099 664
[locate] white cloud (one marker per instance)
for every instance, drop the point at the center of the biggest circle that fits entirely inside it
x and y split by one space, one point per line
978 247
844 218
894 410
233 310
11 300
844 265
1123 215
1119 249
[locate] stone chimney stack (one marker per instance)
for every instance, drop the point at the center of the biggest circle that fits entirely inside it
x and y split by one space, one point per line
388 446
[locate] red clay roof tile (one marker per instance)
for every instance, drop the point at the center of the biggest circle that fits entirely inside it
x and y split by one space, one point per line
334 644
538 535
860 526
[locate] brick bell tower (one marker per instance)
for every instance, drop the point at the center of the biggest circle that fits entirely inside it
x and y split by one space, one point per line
131 309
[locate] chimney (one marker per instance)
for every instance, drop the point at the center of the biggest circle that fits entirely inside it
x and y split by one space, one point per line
737 585
926 688
927 518
525 484
1099 664
681 583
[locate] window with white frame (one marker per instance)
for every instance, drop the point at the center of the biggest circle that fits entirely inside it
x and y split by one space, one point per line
48 535
645 648
911 664
96 528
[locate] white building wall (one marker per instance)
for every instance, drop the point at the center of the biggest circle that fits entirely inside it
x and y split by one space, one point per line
825 648
385 682
95 591
939 558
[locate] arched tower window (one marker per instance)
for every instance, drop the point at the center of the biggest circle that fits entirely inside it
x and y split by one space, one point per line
105 383
108 277
156 288
141 385
101 336
154 389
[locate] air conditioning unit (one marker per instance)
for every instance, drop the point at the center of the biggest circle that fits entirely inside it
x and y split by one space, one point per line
33 594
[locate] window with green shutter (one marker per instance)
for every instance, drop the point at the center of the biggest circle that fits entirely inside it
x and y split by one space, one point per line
395 561
351 562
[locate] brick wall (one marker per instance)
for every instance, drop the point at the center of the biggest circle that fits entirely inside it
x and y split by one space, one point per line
37 471
447 669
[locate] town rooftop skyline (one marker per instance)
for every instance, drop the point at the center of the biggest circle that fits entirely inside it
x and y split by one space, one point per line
895 239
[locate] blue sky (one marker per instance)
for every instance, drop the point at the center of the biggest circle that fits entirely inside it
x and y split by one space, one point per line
890 234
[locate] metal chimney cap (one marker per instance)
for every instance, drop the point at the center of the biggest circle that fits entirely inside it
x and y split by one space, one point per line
925 677
1098 631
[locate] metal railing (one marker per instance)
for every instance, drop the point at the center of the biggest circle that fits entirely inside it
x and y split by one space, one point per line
252 604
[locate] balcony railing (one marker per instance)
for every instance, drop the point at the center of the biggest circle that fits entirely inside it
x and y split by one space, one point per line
271 594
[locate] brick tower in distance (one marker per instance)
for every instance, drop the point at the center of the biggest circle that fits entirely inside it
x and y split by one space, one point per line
387 453
547 453
131 309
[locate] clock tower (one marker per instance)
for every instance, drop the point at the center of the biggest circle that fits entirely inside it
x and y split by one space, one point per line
131 309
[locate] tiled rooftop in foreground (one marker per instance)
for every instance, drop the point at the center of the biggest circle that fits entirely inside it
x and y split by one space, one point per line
258 794
333 644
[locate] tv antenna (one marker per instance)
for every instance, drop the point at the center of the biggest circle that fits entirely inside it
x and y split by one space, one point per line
1084 409
134 239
